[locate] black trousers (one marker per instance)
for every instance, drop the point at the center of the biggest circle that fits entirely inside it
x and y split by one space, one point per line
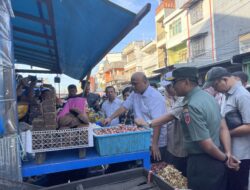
238 180
206 173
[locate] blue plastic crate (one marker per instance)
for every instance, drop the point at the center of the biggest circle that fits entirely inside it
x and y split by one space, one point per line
113 144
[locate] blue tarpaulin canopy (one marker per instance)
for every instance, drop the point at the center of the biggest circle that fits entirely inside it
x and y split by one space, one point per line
69 36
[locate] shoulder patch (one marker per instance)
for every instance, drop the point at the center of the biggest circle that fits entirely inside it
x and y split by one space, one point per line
186 115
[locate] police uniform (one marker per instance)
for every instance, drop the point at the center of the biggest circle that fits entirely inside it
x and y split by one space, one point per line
200 120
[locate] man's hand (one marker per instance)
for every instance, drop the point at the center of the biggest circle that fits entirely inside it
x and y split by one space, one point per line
140 122
155 151
107 121
233 163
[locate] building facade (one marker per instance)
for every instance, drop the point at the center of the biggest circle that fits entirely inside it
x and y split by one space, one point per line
201 42
114 70
176 37
133 58
150 58
200 32
99 79
165 8
232 25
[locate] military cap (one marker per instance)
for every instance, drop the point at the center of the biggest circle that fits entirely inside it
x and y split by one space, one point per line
185 72
214 74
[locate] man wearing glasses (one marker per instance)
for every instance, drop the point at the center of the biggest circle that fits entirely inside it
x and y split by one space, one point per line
236 108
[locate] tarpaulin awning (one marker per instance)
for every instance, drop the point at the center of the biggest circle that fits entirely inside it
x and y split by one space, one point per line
69 36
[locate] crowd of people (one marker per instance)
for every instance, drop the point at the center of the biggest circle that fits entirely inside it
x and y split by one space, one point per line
204 131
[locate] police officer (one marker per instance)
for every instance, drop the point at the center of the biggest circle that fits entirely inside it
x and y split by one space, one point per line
200 121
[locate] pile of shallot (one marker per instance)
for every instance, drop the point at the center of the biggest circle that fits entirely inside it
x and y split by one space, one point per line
119 129
158 166
173 177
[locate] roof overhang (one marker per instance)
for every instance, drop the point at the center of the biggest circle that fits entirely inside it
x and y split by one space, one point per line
241 58
164 69
69 36
199 35
203 68
189 3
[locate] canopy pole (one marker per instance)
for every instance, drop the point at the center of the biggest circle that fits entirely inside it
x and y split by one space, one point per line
87 79
59 91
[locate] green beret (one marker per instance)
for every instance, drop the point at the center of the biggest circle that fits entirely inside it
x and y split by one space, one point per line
185 72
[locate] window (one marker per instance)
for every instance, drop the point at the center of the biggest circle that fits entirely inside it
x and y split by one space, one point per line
131 56
198 46
196 12
175 28
183 55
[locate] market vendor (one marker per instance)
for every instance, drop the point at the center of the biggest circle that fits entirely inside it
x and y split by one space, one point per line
72 91
73 113
147 103
203 130
111 104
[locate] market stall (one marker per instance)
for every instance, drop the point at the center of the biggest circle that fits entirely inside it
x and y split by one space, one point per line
69 160
61 38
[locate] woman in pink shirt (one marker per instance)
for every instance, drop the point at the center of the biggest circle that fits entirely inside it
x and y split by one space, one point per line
73 113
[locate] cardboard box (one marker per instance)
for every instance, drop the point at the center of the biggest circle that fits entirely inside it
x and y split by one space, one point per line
49 108
50 118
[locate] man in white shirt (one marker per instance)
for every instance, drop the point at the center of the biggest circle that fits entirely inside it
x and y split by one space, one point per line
111 104
147 103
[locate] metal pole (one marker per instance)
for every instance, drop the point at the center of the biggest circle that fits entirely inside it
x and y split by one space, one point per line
59 90
87 79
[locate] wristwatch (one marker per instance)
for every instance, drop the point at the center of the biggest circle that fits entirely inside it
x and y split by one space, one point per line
149 122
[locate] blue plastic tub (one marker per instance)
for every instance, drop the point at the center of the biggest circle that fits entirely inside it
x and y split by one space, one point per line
113 144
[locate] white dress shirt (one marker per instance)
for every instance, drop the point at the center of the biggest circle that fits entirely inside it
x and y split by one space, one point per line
110 107
149 105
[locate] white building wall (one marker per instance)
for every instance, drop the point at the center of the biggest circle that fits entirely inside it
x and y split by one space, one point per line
232 19
135 64
149 58
201 29
113 57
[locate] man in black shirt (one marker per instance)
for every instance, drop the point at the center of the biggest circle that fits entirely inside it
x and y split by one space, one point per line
72 91
93 99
